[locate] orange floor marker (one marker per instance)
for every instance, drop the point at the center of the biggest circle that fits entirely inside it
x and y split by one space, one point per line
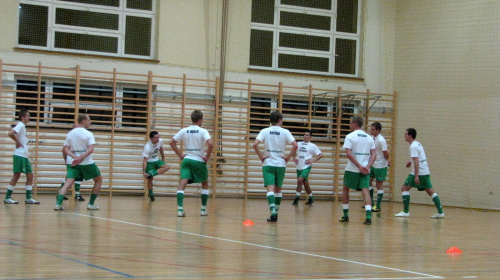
248 223
454 250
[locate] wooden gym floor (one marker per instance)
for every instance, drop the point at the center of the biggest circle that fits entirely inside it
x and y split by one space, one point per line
133 238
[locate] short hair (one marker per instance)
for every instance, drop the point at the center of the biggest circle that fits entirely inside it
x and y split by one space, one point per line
412 132
196 115
82 118
310 132
357 120
23 113
153 134
377 126
275 117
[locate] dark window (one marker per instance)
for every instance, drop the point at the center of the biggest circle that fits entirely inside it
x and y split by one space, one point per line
301 62
146 5
86 42
138 36
27 97
306 42
109 3
347 16
33 25
63 103
135 107
260 109
87 19
345 61
305 21
97 102
261 48
263 11
317 4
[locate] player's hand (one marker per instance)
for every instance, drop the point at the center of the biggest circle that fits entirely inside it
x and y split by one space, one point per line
145 175
262 159
417 180
296 160
408 164
206 159
364 170
19 145
308 162
76 161
389 163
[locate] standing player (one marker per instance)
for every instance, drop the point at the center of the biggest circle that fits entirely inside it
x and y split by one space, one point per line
79 146
21 163
274 160
360 150
378 171
151 165
78 182
420 176
194 160
308 153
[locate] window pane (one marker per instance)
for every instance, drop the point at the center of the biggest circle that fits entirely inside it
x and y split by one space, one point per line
138 36
260 108
29 98
33 22
301 62
318 4
86 42
306 42
345 60
347 16
263 11
63 103
135 108
305 21
110 3
261 48
146 5
87 19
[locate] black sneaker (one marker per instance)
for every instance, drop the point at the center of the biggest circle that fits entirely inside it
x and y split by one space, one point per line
344 219
296 201
152 198
149 176
273 218
367 222
79 197
310 201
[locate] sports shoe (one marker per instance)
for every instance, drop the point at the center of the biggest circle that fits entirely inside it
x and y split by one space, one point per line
273 218
296 201
10 201
402 214
31 201
152 198
59 207
375 209
203 213
149 176
92 207
438 216
79 198
181 214
310 201
367 222
344 219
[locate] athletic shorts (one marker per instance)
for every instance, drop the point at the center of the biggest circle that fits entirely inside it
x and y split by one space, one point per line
380 174
21 165
193 170
273 175
76 179
154 165
356 181
425 182
304 173
87 171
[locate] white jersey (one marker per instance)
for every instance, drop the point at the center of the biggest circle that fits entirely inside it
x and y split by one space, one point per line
275 139
416 150
360 144
194 138
306 151
22 137
380 147
79 139
151 150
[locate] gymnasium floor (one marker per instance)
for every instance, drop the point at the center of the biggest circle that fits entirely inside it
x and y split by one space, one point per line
133 238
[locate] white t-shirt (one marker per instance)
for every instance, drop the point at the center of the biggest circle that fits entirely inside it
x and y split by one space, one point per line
151 151
79 139
306 151
380 147
194 138
22 137
275 139
360 144
416 150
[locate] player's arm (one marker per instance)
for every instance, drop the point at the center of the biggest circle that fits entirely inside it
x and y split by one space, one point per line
144 165
64 154
318 157
79 159
416 167
210 145
257 150
173 145
373 156
12 134
386 156
162 154
353 159
292 152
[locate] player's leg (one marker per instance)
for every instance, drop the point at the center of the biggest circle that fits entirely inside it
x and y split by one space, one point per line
29 189
426 181
298 190
204 198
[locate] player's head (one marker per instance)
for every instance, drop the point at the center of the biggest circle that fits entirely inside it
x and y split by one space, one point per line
154 136
356 122
410 133
375 128
275 117
307 135
196 116
24 115
84 120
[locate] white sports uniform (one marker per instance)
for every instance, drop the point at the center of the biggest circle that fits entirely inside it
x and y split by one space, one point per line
360 144
194 138
151 151
79 139
306 151
380 147
416 150
22 137
275 139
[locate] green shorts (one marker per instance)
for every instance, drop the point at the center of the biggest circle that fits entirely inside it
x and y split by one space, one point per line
193 170
380 174
356 181
87 171
154 165
304 173
68 166
273 175
21 165
425 182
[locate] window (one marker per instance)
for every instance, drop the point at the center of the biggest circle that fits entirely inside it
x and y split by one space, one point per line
27 97
305 36
122 28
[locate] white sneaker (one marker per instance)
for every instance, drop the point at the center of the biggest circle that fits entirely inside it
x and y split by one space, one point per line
181 214
203 213
438 216
92 207
31 201
10 201
402 214
59 207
